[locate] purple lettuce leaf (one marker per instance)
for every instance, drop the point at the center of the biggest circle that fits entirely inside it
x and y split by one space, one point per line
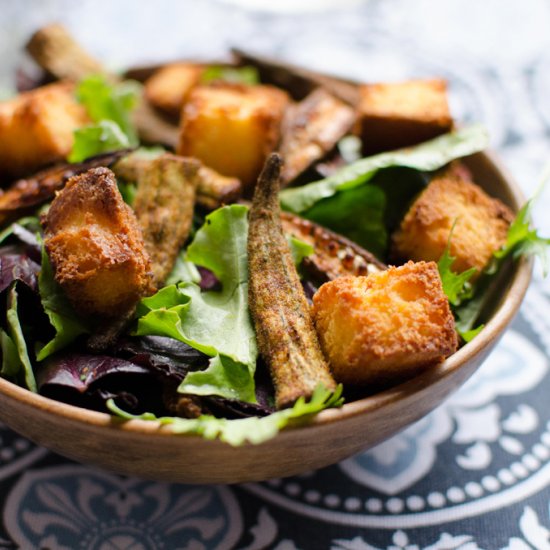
169 357
89 380
17 267
208 280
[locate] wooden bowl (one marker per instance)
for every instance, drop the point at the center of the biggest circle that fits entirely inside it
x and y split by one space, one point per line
145 449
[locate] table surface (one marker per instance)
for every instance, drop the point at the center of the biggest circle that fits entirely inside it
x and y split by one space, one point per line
474 474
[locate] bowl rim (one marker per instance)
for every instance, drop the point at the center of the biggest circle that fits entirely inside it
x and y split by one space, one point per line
506 310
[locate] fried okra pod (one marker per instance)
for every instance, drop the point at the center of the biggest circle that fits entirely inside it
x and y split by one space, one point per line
286 337
164 206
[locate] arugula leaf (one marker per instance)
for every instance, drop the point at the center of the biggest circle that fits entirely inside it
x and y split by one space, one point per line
427 156
15 333
214 322
237 432
455 285
237 75
64 320
89 141
114 102
522 240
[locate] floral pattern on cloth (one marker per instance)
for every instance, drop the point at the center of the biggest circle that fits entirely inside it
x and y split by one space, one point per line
55 507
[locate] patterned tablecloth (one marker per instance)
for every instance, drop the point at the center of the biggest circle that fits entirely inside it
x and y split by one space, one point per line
475 474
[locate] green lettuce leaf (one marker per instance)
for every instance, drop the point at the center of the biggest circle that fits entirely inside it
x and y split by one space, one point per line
225 377
427 156
183 271
253 430
32 223
114 102
358 214
18 351
215 322
11 364
128 191
236 75
99 138
299 250
468 335
62 317
109 106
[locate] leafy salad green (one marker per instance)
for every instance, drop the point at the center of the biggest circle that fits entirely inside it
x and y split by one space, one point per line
373 191
109 106
216 323
252 430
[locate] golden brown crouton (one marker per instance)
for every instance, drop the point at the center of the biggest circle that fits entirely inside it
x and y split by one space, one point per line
481 224
311 129
164 206
386 327
96 247
400 114
36 128
170 86
231 128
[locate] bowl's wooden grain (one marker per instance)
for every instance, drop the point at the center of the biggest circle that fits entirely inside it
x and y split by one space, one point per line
144 449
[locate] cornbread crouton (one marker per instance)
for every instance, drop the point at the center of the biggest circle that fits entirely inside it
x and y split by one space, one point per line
232 128
386 327
401 114
36 128
481 224
96 247
168 88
